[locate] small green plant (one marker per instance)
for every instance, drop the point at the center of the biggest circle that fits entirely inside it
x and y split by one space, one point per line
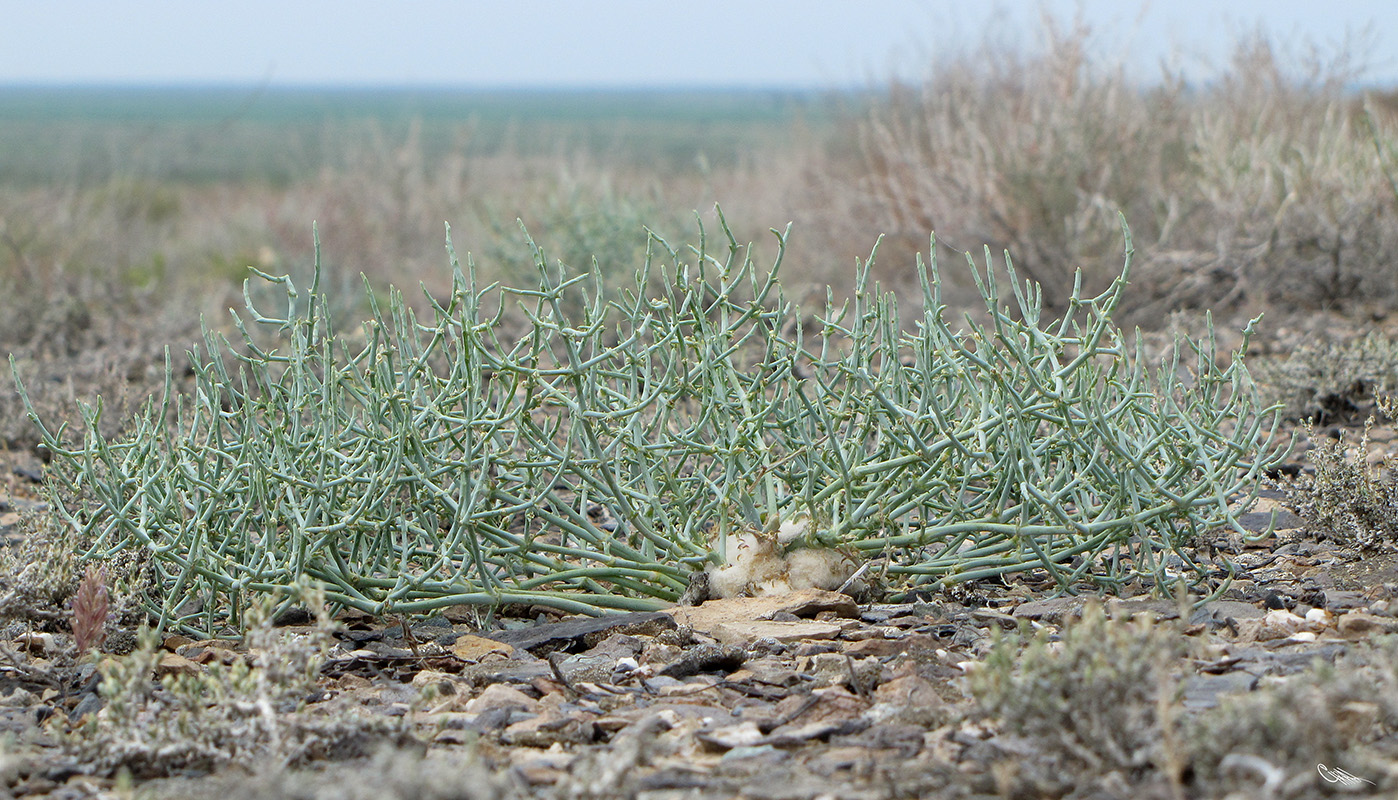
252 712
1346 499
619 445
1097 697
1340 715
1332 382
605 235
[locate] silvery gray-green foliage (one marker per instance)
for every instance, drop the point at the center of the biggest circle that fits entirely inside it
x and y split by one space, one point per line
250 712
1332 382
600 459
1345 499
1097 695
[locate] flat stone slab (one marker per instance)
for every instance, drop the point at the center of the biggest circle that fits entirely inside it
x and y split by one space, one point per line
1257 521
1130 607
1052 610
1221 610
804 603
1204 691
738 632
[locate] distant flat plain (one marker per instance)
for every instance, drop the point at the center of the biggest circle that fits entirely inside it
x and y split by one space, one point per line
86 134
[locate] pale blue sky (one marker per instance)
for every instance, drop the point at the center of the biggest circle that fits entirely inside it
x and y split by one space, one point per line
614 43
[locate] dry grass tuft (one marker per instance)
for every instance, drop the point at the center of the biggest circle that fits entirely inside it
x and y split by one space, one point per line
1263 186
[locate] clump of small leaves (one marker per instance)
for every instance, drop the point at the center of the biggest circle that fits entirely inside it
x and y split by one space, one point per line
1096 700
40 573
1339 715
598 232
252 712
1332 382
41 576
1347 500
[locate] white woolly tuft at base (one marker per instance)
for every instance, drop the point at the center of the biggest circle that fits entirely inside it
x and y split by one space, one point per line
793 529
757 566
818 568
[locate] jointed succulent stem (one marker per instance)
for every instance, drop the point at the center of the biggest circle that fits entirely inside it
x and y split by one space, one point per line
596 462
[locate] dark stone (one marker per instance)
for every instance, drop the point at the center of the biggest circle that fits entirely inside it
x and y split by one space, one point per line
575 635
1291 662
1336 600
497 719
906 739
1054 610
879 614
1218 611
512 671
1203 691
1312 596
706 658
674 778
1257 521
806 649
385 650
295 615
766 646
1127 609
29 473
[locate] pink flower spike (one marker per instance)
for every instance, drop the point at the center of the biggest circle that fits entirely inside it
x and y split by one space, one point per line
90 610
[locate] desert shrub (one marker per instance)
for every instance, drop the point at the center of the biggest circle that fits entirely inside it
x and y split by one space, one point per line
1098 708
1098 683
380 195
1098 700
40 575
1346 499
390 774
1035 153
601 458
598 232
1331 382
251 713
1334 715
89 303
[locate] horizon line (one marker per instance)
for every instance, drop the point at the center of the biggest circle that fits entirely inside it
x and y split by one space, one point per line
430 86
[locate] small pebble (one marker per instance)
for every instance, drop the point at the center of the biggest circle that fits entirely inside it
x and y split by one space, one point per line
1319 616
